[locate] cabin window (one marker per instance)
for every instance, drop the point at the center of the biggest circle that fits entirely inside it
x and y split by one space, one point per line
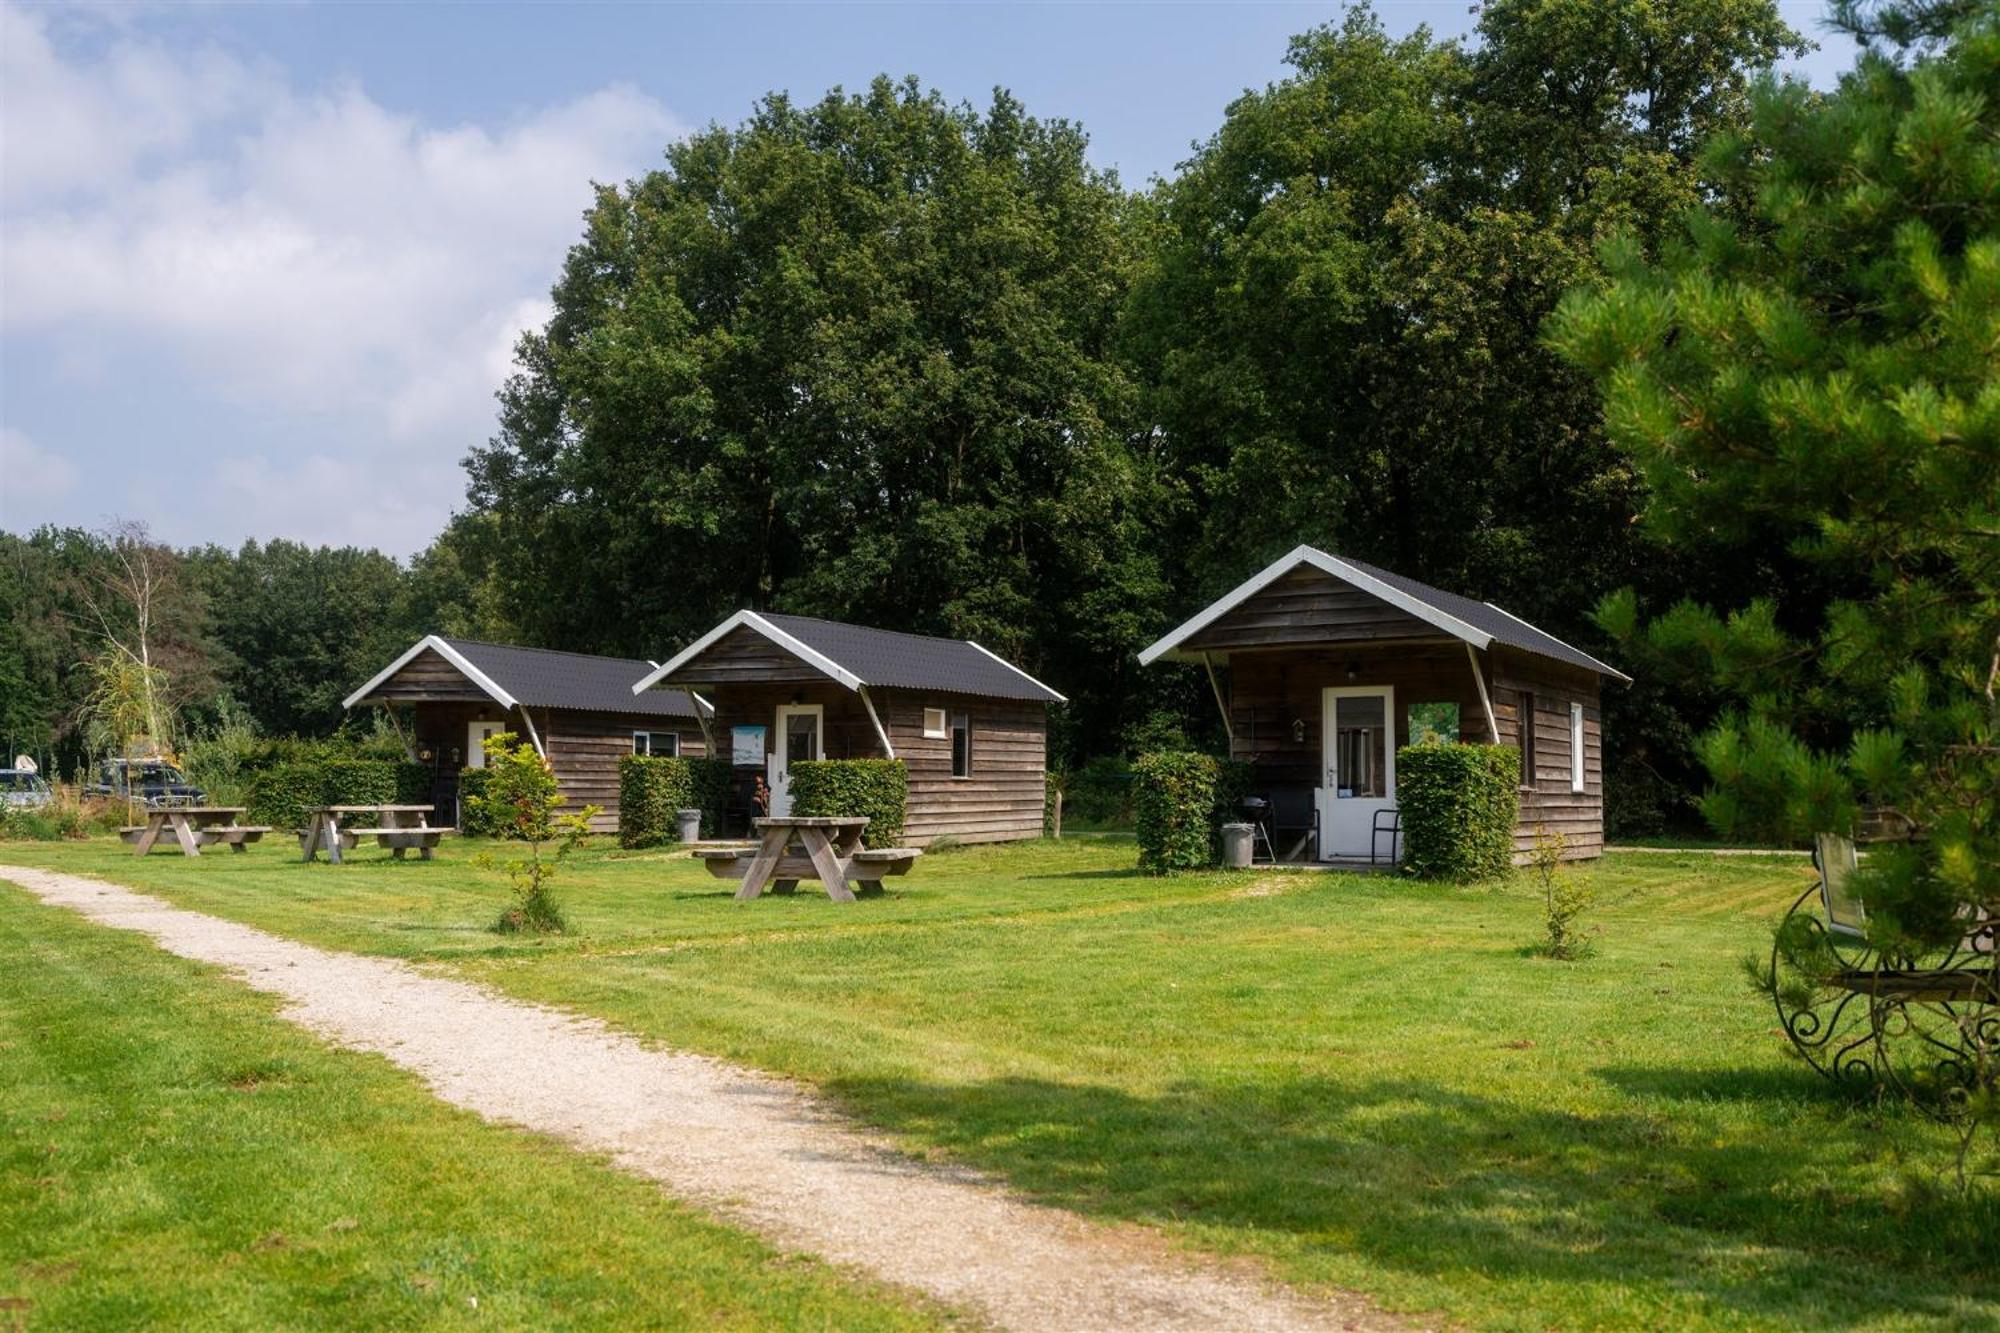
665 744
1527 739
1576 747
936 726
1433 722
961 745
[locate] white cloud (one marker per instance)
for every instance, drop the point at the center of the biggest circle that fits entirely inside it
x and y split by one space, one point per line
306 254
29 474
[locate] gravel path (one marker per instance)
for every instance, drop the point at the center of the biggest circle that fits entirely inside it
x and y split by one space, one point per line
757 1151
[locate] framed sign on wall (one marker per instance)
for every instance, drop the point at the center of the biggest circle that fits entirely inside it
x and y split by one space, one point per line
746 746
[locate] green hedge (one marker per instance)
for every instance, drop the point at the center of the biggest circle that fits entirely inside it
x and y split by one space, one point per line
280 794
1460 804
877 788
473 822
653 789
1174 801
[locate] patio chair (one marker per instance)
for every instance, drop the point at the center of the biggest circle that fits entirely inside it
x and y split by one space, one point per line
1835 859
1294 820
1386 824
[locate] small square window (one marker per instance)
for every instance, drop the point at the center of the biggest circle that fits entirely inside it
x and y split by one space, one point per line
935 727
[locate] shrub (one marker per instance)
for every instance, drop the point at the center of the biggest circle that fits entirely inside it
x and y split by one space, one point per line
522 798
652 790
1459 803
876 788
1173 798
280 794
1564 899
474 821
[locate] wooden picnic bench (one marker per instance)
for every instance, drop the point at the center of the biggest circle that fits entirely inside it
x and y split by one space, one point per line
193 827
827 849
395 829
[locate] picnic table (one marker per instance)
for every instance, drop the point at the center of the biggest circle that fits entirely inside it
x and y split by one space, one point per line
397 827
194 827
826 848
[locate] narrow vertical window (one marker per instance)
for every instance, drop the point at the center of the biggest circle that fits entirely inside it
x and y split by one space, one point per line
1527 739
961 745
1576 747
642 742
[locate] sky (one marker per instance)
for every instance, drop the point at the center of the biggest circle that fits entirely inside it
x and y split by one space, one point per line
262 266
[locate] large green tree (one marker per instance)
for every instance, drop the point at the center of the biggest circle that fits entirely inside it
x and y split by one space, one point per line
1815 360
299 627
850 359
1337 321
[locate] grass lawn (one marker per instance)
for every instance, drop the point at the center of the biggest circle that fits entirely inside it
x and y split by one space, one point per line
172 1154
1367 1083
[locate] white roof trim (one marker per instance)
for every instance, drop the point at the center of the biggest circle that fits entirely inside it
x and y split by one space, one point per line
751 620
702 707
1611 671
1320 560
449 654
1059 698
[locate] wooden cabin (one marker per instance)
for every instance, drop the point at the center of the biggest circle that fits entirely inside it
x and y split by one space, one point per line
1323 666
577 710
971 729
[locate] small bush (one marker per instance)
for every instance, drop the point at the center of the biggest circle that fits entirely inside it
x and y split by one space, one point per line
876 788
280 794
1564 899
652 790
1173 798
474 820
1460 804
522 798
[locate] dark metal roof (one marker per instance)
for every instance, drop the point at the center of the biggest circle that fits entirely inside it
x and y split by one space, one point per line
547 678
893 659
1488 619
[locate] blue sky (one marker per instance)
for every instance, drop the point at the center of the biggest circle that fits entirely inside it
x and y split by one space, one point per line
261 266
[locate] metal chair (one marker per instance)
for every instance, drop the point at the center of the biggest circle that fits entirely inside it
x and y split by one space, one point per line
1376 830
1294 811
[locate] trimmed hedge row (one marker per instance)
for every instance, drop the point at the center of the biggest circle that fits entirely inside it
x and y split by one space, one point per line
876 788
1460 804
280 794
473 821
1174 800
653 789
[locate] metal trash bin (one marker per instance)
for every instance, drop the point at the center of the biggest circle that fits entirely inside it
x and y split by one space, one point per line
1236 845
690 822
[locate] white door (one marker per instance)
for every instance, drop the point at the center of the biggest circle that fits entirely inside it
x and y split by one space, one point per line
1358 743
475 741
799 734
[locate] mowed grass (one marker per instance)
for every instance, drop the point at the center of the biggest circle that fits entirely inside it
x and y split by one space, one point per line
1364 1082
174 1155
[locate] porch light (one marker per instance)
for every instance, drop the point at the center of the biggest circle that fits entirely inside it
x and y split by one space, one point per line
1298 731
1353 670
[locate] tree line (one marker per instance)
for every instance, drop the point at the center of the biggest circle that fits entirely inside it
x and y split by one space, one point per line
886 358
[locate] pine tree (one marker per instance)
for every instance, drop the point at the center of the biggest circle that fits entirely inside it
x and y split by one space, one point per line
1815 360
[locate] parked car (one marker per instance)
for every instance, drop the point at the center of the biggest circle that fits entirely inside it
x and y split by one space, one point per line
151 782
24 789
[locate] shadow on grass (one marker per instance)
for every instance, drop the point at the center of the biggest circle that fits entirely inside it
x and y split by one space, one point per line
1789 1215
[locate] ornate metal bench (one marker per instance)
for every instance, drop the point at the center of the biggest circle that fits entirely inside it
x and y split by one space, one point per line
1926 1025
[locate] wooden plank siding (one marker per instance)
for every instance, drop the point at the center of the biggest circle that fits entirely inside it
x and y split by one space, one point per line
428 676
584 749
1309 606
1546 799
1001 800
